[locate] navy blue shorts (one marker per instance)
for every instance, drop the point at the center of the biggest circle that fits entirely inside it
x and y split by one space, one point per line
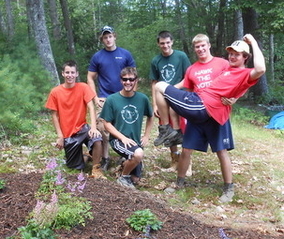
127 152
199 136
73 147
186 104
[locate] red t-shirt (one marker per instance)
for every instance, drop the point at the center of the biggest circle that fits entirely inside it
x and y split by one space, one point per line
200 75
232 83
71 105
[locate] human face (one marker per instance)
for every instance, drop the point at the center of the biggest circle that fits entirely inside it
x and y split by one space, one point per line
128 85
236 59
108 40
165 45
202 50
70 74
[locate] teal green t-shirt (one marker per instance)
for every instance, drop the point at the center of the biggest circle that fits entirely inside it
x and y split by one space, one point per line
126 113
170 69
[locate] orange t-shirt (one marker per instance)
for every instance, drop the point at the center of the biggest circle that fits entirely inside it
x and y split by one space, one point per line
71 105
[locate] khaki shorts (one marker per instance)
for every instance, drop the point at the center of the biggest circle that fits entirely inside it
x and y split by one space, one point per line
100 124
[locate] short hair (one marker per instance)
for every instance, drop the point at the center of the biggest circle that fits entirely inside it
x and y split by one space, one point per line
128 70
164 34
200 37
70 63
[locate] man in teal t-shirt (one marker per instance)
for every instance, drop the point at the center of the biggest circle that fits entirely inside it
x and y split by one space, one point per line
169 66
123 114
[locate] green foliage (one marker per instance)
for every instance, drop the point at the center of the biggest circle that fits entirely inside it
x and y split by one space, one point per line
139 220
249 115
33 231
23 90
2 183
72 211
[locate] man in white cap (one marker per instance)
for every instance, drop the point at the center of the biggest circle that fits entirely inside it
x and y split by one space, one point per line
208 103
105 67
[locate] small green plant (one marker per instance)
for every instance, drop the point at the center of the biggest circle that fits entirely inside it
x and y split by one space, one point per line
2 184
33 231
58 204
142 219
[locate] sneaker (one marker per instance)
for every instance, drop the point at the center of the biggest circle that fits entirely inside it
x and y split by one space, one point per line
126 181
175 140
228 193
165 132
97 172
105 163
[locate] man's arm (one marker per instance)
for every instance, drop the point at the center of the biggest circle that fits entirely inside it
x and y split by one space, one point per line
93 132
91 78
60 138
148 127
116 134
155 108
258 58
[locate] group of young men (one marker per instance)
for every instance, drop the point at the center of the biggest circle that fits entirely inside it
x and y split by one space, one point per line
195 117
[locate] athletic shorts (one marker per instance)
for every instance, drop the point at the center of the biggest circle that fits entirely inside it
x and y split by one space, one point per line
199 136
186 104
127 152
74 150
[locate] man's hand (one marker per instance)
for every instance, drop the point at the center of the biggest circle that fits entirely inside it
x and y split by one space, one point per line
59 143
99 102
94 133
128 142
228 101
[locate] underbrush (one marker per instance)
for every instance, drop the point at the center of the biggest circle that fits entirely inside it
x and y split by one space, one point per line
257 169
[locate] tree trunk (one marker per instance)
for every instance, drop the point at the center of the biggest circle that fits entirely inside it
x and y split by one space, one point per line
271 57
68 26
239 27
221 28
10 20
3 25
250 18
37 23
181 28
54 19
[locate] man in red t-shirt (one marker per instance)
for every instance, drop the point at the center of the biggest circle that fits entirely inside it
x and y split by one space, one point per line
69 103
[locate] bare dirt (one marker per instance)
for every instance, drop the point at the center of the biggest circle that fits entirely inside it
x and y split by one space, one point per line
111 204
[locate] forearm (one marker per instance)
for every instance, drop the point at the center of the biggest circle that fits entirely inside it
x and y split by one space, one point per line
148 127
55 120
113 131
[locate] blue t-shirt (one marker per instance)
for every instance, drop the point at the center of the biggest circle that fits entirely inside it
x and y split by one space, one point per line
108 65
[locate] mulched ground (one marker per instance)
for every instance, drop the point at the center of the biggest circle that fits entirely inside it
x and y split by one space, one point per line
112 204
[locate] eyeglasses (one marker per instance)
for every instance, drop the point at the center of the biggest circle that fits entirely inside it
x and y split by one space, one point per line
130 79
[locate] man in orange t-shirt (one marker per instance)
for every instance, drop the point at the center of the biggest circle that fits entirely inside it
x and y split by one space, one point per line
69 103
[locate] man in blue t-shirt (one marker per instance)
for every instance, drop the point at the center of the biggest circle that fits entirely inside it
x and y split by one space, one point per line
105 67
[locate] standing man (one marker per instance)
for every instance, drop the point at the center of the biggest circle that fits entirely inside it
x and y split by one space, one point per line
209 101
123 117
199 136
105 67
69 103
169 66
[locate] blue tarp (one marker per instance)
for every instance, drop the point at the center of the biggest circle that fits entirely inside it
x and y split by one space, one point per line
276 122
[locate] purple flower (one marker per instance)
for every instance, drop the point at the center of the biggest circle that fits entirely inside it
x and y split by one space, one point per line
71 188
59 179
54 198
51 165
81 177
81 187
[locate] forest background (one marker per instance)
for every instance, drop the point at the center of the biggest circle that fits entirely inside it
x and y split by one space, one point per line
37 36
